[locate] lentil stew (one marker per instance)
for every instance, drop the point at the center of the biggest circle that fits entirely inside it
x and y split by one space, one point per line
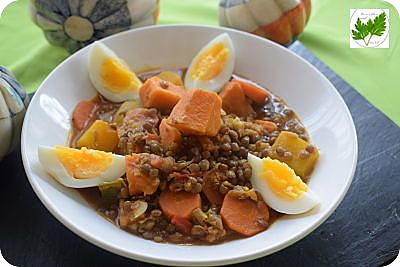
185 185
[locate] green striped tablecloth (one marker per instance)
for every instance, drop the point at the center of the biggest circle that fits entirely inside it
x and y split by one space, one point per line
373 72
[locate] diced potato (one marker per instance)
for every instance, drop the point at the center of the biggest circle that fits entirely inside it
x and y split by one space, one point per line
171 77
100 136
125 107
300 159
110 190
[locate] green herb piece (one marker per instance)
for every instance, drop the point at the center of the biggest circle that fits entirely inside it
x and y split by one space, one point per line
110 190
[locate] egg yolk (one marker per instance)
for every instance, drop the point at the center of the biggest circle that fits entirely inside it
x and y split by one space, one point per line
282 180
211 62
83 163
116 76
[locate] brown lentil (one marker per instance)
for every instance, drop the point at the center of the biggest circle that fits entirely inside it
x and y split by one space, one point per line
310 148
148 235
194 167
304 154
204 165
156 213
245 140
158 238
230 174
288 155
280 151
233 134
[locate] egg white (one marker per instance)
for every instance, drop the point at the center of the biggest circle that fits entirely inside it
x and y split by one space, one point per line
304 203
97 54
217 82
50 162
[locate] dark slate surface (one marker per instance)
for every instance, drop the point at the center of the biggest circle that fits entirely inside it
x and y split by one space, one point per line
363 231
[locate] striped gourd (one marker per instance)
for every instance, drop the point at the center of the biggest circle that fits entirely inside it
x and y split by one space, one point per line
13 101
74 24
277 20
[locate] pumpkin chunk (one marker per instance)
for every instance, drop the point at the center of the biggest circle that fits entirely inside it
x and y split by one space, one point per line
160 94
197 113
100 136
234 100
303 156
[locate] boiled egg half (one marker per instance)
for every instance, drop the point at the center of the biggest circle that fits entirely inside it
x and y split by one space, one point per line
213 66
80 168
280 187
111 76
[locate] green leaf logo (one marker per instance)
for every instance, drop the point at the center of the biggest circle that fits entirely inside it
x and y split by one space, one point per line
365 31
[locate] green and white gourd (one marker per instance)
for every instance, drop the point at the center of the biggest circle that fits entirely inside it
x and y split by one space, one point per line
74 24
13 102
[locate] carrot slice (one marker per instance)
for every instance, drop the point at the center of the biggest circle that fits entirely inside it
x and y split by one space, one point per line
267 125
197 113
82 113
256 94
137 181
234 99
244 216
212 194
171 138
183 225
179 204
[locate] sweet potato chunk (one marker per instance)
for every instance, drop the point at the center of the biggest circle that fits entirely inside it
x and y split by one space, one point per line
197 113
157 93
234 99
171 138
138 182
257 94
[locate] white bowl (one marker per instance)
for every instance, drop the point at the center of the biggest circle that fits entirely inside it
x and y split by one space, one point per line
304 88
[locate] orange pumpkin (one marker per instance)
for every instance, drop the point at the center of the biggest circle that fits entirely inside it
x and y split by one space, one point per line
279 21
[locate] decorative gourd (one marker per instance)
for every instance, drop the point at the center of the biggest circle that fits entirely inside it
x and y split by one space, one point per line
13 101
74 24
278 20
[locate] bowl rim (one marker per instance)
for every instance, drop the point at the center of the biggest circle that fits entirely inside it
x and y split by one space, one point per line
167 261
